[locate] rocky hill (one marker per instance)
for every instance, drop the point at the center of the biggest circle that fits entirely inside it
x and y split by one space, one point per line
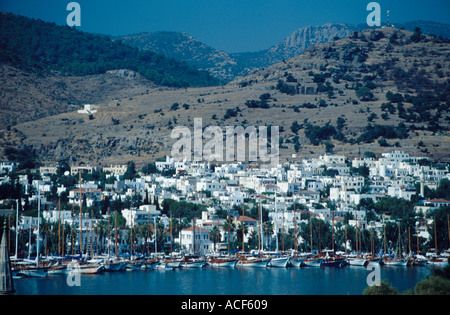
375 90
229 66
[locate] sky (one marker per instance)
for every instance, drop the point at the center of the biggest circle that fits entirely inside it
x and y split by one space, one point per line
229 25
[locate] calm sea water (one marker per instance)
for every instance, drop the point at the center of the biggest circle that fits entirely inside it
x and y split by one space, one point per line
349 280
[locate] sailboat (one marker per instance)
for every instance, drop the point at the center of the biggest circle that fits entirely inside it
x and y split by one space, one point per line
278 260
295 260
355 259
257 260
436 260
115 264
311 259
32 268
222 261
396 261
252 261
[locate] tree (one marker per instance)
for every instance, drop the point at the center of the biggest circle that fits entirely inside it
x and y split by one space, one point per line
214 235
383 289
130 173
433 285
365 94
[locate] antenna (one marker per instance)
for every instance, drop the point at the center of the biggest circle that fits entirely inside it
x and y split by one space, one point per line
388 22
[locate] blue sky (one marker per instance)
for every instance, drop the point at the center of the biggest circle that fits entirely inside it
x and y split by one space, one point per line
231 25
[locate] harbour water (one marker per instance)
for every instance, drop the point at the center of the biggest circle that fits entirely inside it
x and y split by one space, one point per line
350 280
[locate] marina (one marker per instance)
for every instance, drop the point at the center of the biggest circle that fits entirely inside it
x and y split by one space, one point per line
164 280
240 274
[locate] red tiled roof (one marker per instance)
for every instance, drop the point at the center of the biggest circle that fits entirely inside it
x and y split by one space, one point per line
438 200
246 219
197 229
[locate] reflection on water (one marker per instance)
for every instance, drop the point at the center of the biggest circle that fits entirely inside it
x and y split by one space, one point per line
226 281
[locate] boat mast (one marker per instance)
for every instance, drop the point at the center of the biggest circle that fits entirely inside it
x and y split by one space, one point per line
259 223
17 229
109 232
332 230
399 242
435 237
171 234
229 226
282 246
156 240
409 239
59 226
115 232
193 225
345 239
372 242
72 230
39 225
81 219
295 231
310 230
417 241
243 228
148 233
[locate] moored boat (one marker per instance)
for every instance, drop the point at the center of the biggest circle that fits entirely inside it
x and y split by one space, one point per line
395 261
440 262
279 262
356 261
311 262
222 261
192 262
250 261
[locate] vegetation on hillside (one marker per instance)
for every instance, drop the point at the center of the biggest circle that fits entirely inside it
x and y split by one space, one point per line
35 44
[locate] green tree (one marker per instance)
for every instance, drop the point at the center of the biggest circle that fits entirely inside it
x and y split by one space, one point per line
383 289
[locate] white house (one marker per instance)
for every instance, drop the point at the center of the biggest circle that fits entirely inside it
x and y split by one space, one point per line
88 109
201 242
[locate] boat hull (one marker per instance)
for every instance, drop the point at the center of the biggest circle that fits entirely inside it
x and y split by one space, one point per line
115 266
257 263
37 272
173 264
197 264
295 262
230 263
332 262
357 262
396 263
279 262
311 262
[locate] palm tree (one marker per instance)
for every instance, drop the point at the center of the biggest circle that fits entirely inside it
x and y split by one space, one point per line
213 235
228 227
268 230
102 230
239 236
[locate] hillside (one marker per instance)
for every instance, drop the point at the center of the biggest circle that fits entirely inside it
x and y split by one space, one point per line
31 44
375 90
228 66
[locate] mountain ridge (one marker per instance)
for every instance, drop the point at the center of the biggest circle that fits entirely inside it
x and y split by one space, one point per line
228 66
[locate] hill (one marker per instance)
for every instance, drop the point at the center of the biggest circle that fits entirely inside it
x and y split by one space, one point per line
375 90
228 66
37 45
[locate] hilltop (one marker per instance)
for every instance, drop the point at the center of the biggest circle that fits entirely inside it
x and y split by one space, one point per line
36 45
229 65
373 89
